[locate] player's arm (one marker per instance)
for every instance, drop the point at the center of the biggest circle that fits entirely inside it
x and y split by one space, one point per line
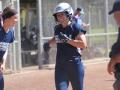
115 50
47 45
111 64
85 25
114 57
52 41
4 60
79 42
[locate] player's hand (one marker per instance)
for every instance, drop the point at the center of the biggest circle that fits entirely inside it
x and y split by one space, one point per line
110 67
3 67
64 37
83 31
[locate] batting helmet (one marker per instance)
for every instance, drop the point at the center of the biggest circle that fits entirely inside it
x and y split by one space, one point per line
63 7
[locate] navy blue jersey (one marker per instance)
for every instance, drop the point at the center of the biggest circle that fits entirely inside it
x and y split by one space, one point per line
116 46
66 51
78 20
5 39
116 50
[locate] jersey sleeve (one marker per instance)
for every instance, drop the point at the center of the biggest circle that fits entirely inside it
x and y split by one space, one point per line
115 50
78 29
56 29
12 36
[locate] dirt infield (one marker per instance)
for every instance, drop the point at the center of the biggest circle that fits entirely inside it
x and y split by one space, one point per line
96 78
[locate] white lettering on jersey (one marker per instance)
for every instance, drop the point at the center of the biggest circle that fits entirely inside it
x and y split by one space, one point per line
4 46
58 40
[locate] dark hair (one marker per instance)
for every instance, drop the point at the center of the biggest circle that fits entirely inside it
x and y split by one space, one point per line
78 9
8 12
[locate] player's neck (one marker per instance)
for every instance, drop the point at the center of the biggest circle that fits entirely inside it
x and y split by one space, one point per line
6 27
65 24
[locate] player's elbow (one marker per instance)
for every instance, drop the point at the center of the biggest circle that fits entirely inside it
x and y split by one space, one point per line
82 45
85 46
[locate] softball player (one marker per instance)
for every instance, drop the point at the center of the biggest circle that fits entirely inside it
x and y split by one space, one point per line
69 37
9 18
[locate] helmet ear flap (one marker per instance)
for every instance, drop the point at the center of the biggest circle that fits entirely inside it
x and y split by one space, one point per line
67 14
55 17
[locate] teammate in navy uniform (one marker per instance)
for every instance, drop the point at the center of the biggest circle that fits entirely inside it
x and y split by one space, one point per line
69 37
8 20
114 63
78 17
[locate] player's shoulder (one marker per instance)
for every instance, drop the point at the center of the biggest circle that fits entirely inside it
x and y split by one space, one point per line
10 32
75 26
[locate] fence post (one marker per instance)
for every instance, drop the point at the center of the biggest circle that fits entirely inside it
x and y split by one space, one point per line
106 26
40 41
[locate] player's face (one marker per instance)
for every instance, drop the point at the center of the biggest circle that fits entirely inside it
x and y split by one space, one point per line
78 13
117 17
61 17
12 20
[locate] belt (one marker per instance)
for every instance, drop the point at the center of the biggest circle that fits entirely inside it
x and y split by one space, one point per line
74 58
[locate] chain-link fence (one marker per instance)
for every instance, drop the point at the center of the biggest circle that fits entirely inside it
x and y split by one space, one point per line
101 34
14 55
